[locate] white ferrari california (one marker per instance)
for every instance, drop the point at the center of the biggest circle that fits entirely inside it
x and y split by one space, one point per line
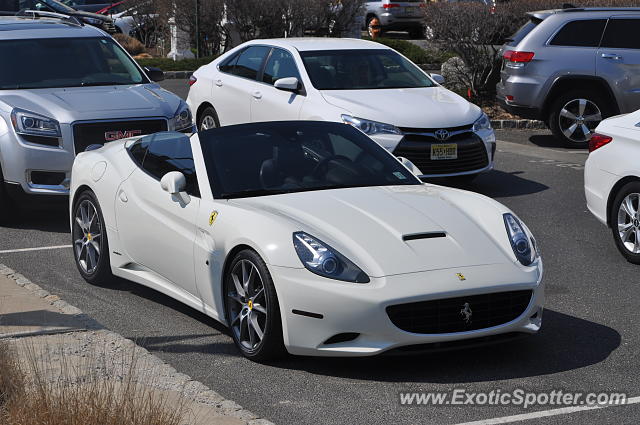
304 237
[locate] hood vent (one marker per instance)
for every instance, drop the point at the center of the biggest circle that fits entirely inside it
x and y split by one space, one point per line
426 235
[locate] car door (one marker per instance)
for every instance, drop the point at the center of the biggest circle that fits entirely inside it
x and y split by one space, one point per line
234 86
156 229
618 60
269 103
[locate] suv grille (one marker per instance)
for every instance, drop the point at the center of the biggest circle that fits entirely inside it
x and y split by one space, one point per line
446 315
88 134
472 154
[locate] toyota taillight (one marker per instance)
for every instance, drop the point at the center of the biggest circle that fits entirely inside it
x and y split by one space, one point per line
192 80
598 140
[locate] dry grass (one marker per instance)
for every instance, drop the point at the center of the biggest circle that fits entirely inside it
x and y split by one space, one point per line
39 392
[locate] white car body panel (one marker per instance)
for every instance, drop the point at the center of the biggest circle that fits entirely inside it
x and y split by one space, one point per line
175 249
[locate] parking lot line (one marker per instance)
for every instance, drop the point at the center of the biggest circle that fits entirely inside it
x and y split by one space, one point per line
41 248
547 413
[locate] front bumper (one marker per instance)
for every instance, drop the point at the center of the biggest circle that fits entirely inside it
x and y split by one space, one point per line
361 309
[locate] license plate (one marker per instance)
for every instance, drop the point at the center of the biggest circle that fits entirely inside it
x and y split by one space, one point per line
410 10
446 151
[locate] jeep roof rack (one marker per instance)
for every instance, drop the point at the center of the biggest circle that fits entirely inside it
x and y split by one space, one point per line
67 19
570 9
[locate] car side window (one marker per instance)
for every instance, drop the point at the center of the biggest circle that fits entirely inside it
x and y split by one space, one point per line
250 62
228 65
585 33
162 153
280 65
622 34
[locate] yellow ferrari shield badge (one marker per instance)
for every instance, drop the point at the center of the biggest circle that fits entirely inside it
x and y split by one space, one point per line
212 217
461 277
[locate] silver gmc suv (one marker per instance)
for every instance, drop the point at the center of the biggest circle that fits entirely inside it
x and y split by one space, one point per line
572 68
402 15
63 87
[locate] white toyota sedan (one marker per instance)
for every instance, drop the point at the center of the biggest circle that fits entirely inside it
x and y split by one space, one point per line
306 237
362 83
612 180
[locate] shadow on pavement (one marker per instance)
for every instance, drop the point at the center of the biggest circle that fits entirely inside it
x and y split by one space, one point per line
53 219
565 343
497 184
549 141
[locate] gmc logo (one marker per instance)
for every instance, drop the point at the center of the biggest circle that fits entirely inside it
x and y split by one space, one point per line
111 136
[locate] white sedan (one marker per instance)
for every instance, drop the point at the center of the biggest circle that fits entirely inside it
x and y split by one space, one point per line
612 180
358 82
305 237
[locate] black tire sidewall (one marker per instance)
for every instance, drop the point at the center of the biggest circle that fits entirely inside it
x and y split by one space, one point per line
633 187
6 203
554 114
209 111
272 345
102 274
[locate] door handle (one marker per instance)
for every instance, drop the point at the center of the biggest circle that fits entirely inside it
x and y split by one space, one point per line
219 83
123 196
257 95
612 56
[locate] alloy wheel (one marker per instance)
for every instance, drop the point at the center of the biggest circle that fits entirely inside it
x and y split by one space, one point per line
629 222
87 236
208 122
578 118
246 301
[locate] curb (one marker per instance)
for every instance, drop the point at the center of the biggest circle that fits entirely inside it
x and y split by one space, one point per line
518 124
198 392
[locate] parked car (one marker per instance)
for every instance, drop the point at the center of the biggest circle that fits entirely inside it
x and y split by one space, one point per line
307 237
358 82
88 5
572 68
12 7
612 181
127 19
406 15
66 87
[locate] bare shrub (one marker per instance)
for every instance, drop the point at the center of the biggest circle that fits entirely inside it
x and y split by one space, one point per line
130 44
11 377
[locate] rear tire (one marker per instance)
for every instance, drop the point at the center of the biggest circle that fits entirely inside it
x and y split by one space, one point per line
208 119
574 115
624 226
89 240
251 308
417 33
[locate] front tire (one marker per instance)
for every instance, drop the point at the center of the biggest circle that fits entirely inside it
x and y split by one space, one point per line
625 221
208 119
89 239
251 308
575 115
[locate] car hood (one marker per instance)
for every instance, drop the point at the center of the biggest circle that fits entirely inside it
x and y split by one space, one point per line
91 103
368 225
431 107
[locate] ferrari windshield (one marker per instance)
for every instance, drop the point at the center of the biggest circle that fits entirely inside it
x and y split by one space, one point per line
286 157
65 62
362 69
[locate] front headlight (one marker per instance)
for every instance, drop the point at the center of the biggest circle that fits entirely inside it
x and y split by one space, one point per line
92 21
482 123
183 120
32 124
522 242
370 127
321 259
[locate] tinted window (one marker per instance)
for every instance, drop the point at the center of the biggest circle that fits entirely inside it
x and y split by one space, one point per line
362 69
622 34
522 32
280 65
285 157
166 152
580 34
250 62
227 65
47 63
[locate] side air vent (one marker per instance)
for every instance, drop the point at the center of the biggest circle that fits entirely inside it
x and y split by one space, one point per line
426 235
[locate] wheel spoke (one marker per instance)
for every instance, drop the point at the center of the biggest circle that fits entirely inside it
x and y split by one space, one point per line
626 232
582 105
253 320
569 131
566 114
258 294
238 285
96 247
236 298
593 117
636 243
627 205
235 320
586 131
259 308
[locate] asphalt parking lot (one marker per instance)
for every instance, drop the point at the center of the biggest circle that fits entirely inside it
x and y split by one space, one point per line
590 340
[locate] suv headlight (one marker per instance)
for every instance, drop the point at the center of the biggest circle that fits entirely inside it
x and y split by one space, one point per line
370 127
183 120
522 242
92 21
32 124
321 259
482 123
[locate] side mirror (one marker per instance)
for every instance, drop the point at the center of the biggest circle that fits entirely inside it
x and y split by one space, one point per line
411 166
175 183
287 84
437 78
155 74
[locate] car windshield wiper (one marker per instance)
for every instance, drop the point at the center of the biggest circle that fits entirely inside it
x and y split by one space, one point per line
101 83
